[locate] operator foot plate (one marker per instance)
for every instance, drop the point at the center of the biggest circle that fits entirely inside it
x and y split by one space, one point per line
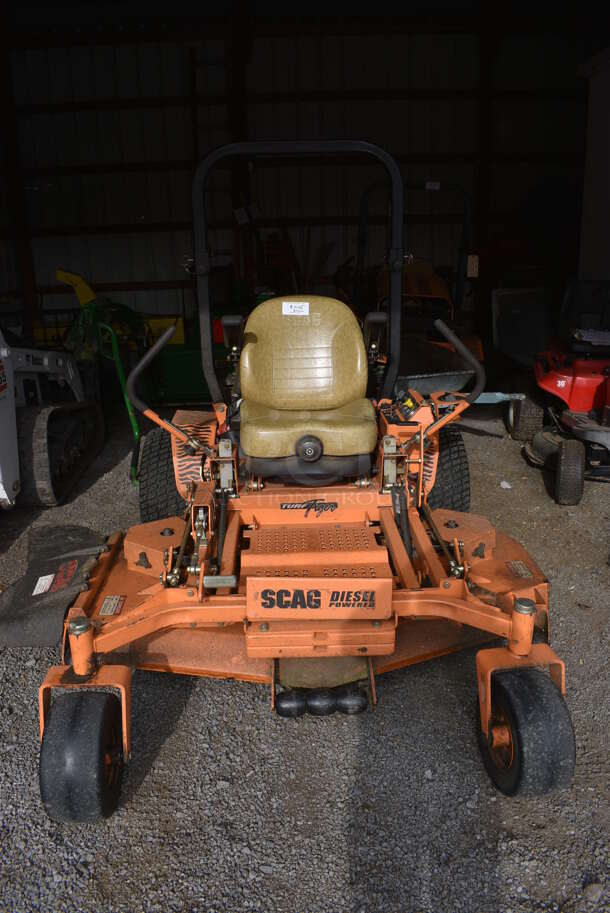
322 672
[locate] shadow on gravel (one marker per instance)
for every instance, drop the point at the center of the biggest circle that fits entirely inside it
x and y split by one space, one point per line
117 444
12 524
548 480
421 828
484 421
157 703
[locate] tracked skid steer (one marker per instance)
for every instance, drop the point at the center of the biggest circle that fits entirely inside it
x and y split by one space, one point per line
307 559
49 434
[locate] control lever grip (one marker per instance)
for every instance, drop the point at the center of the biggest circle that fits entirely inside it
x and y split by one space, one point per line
144 362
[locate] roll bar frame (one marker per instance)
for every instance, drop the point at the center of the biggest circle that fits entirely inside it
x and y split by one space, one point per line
466 236
296 149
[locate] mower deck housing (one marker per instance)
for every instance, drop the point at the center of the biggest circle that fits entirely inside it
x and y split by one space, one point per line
307 572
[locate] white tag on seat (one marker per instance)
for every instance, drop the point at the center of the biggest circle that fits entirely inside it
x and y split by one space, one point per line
295 308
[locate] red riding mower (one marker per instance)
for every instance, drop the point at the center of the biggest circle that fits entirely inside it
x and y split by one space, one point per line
306 558
573 389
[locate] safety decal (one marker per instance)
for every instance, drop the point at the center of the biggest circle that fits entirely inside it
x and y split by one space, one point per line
43 584
295 308
64 575
112 605
519 569
3 378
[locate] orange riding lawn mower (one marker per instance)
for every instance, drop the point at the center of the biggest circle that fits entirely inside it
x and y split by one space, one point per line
308 554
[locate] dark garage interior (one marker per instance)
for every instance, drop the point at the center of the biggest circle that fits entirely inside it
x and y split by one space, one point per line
227 238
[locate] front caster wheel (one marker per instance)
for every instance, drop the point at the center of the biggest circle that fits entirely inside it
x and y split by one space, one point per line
81 756
531 747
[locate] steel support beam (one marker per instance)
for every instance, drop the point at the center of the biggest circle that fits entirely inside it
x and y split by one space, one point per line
183 29
305 96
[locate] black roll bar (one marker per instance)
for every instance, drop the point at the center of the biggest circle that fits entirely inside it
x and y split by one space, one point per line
465 244
296 149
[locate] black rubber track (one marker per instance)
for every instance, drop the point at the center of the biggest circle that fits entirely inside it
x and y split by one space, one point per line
159 496
34 470
66 435
82 728
570 472
544 748
452 486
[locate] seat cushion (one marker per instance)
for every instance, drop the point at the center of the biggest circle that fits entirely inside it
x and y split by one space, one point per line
303 352
346 431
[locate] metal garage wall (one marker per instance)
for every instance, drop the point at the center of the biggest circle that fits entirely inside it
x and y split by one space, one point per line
345 69
129 225
109 135
537 116
8 279
594 249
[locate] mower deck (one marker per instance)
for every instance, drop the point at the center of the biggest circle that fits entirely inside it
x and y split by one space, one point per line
326 590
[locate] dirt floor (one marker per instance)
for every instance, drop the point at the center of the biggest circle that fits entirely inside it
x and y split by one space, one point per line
227 807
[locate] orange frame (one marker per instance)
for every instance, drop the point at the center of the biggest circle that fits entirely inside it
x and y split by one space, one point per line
312 580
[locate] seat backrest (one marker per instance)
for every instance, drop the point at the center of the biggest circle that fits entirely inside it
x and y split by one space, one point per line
303 352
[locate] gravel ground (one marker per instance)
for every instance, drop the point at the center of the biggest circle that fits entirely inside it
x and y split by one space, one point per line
228 808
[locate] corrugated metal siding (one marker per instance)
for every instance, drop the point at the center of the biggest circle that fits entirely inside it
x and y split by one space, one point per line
363 62
399 62
99 137
538 61
278 64
7 271
530 128
548 128
71 74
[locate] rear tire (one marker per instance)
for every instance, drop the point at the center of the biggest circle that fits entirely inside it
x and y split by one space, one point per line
570 472
451 488
524 418
542 750
81 757
159 496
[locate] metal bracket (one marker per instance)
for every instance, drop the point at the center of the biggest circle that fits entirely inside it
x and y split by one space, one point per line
389 461
492 660
225 463
104 677
490 399
216 581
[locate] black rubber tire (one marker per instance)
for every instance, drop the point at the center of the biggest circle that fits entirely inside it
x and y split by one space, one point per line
159 496
83 729
524 418
570 472
451 488
544 750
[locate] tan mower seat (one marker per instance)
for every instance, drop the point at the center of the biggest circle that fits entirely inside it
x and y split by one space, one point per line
345 431
303 371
